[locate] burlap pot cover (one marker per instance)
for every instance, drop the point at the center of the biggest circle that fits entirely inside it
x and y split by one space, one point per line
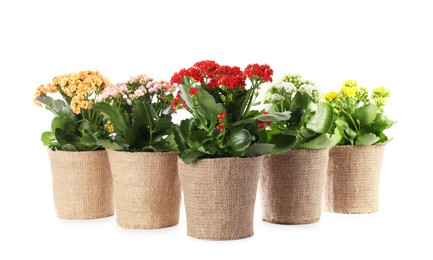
82 184
352 184
146 189
291 186
219 197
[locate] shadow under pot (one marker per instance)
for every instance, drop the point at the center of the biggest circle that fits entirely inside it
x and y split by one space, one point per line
146 189
82 184
219 196
352 184
291 186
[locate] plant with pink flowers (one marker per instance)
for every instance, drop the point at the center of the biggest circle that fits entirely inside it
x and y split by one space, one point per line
140 114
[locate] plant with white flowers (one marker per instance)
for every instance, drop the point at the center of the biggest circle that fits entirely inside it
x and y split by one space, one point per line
310 119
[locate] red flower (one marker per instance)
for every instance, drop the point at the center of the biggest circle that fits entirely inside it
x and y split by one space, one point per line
221 116
220 127
184 105
261 125
207 67
193 91
265 112
259 71
231 77
175 102
195 73
177 77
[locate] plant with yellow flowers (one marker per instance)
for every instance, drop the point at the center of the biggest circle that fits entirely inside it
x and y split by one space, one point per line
75 126
359 116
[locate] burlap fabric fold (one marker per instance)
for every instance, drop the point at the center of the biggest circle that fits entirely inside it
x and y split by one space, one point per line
291 186
352 184
219 197
82 184
146 189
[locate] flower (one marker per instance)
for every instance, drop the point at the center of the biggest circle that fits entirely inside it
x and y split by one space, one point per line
221 116
331 95
382 92
312 107
349 91
176 102
307 89
264 72
350 83
207 67
220 127
142 79
276 97
140 91
193 91
230 77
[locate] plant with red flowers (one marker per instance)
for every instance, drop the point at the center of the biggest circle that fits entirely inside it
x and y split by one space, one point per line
220 101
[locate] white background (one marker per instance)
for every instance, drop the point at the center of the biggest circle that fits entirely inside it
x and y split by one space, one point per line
376 42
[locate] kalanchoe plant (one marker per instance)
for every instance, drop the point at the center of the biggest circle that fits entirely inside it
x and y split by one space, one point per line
139 115
222 122
75 126
310 122
359 116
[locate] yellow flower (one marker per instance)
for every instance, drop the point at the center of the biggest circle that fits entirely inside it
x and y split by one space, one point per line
41 90
350 92
350 84
331 95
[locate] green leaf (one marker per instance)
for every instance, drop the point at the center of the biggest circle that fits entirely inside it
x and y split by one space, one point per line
239 139
69 148
298 107
380 124
164 123
188 156
130 136
115 116
350 132
322 119
341 121
64 138
48 139
272 117
259 149
366 114
66 124
337 136
110 145
138 115
207 106
367 139
320 142
283 143
58 107
246 100
184 93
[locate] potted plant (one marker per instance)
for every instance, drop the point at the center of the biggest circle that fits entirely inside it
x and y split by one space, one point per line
82 180
142 152
219 147
293 176
352 184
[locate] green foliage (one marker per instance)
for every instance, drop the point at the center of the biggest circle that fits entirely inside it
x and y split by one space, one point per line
310 119
359 116
72 132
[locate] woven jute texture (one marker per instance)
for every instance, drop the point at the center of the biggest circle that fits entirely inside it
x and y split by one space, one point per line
146 189
219 197
82 184
291 186
352 184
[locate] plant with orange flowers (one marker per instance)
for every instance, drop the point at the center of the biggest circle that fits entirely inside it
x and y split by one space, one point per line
220 100
75 126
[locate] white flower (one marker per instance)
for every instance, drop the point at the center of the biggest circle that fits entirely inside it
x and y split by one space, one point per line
276 97
279 85
129 102
289 87
306 88
312 107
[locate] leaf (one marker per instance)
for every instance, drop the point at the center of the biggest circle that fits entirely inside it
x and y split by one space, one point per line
164 123
188 156
283 143
63 138
259 149
58 107
336 137
69 148
130 136
207 106
246 100
298 107
341 121
320 142
48 139
115 116
185 96
367 139
380 124
66 124
272 117
138 115
322 120
239 139
110 145
366 114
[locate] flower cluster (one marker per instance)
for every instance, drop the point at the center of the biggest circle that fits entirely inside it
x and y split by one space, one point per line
261 72
82 87
288 87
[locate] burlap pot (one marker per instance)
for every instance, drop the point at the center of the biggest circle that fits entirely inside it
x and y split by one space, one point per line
291 186
219 197
146 189
82 184
352 184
